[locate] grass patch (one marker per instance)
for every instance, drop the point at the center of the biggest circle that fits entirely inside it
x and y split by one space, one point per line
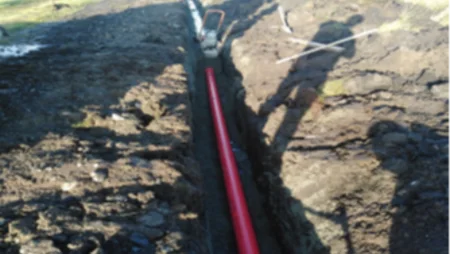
333 88
87 122
434 5
402 23
16 15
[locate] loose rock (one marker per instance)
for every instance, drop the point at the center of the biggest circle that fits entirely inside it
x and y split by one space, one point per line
152 219
39 247
99 175
395 138
68 186
440 91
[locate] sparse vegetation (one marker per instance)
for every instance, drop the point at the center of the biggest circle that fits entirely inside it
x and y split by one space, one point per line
16 15
435 5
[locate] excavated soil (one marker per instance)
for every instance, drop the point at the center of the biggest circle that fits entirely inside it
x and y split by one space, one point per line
107 146
350 149
95 136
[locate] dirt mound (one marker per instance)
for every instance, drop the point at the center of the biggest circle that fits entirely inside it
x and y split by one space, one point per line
96 145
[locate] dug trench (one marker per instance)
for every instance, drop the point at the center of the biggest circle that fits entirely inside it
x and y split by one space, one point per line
217 218
343 179
277 229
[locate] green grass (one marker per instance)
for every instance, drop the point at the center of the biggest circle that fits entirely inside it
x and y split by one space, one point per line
16 15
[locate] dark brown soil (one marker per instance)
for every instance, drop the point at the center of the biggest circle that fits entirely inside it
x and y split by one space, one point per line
95 144
350 149
107 146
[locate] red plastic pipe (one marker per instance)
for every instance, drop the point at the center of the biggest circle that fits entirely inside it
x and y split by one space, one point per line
242 223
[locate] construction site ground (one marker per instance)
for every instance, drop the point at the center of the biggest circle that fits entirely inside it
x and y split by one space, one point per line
106 144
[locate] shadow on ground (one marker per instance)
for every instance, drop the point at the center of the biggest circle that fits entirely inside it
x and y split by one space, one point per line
420 224
110 92
307 76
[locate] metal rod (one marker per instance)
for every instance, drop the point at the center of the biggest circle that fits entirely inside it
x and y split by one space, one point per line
327 46
316 44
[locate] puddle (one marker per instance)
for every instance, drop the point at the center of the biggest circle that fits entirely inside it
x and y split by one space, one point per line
19 50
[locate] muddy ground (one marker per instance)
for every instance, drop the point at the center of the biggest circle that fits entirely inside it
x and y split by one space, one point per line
106 143
95 142
349 149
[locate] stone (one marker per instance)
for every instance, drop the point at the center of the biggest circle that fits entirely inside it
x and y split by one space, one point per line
68 186
117 117
367 83
395 138
151 233
139 239
440 91
99 175
143 197
152 219
396 165
39 247
2 221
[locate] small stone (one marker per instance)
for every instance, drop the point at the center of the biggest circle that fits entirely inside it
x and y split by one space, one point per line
2 221
440 91
152 219
151 233
99 175
143 197
396 165
39 247
415 137
118 198
139 239
385 95
68 186
414 183
395 138
117 117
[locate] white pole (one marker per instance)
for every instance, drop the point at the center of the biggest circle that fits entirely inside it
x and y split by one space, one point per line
326 46
316 44
198 23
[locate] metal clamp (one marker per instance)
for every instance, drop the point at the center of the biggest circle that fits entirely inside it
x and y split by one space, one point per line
208 38
208 12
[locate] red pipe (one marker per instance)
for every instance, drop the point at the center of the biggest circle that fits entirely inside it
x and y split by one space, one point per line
242 223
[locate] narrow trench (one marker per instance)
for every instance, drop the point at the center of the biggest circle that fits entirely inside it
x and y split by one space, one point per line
216 216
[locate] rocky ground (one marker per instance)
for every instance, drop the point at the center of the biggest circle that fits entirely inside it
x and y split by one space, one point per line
95 141
350 149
